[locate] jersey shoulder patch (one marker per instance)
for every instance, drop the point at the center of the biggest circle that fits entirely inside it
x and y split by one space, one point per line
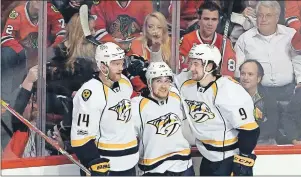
13 14
86 94
54 8
95 2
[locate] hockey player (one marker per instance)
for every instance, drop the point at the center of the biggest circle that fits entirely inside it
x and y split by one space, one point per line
162 127
220 114
102 132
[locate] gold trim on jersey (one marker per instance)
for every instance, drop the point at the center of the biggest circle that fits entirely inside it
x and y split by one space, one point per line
117 146
173 94
188 82
76 143
249 126
214 88
124 81
143 103
106 90
221 143
184 152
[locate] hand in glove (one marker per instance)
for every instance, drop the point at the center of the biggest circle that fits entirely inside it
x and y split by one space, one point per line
99 167
137 66
243 165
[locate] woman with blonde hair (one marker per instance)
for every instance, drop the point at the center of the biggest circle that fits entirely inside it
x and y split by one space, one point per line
154 29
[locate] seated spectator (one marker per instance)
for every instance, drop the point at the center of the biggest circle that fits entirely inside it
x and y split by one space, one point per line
270 45
22 143
293 114
21 31
266 114
154 29
243 21
188 15
120 21
208 20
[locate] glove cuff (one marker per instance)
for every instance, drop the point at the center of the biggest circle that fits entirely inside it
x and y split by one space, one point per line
245 160
100 165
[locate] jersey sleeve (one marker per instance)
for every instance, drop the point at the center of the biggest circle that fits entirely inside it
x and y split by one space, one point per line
185 47
11 31
292 14
101 33
85 118
229 60
57 23
236 107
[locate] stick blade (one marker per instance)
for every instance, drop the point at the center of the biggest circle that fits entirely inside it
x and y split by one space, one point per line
84 19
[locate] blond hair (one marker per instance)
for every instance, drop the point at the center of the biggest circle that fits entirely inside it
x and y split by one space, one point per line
76 43
165 47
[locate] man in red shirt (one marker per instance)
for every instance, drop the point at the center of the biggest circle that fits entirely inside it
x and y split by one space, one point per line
120 21
21 31
208 21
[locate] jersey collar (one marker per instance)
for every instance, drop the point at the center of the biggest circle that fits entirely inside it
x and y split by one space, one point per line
115 87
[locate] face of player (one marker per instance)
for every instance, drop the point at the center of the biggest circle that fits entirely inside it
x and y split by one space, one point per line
92 27
249 78
196 68
115 70
160 87
267 20
154 28
208 22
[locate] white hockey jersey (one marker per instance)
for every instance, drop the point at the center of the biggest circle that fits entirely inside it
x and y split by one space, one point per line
104 114
215 113
162 145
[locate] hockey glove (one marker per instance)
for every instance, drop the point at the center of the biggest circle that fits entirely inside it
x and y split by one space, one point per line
137 66
99 167
243 165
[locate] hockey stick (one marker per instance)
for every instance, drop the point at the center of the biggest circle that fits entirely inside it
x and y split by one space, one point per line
226 30
45 137
84 21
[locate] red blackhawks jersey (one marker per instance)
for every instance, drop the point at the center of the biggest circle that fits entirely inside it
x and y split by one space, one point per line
19 31
115 23
194 38
293 14
189 12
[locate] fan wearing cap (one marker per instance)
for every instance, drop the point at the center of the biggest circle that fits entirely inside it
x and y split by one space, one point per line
158 123
102 133
220 114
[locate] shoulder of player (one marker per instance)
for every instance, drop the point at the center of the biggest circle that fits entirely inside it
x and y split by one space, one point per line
183 79
90 90
231 92
124 80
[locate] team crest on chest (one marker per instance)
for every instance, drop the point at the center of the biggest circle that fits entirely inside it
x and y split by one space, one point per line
167 124
123 110
199 111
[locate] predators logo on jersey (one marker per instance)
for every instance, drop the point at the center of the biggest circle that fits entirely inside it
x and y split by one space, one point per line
199 111
167 124
123 110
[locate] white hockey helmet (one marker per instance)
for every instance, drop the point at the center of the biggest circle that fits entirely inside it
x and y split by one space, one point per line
108 52
157 69
205 52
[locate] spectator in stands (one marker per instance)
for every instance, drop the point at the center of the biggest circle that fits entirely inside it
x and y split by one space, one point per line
21 31
188 15
120 21
243 21
208 21
270 44
22 143
293 114
154 29
266 114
